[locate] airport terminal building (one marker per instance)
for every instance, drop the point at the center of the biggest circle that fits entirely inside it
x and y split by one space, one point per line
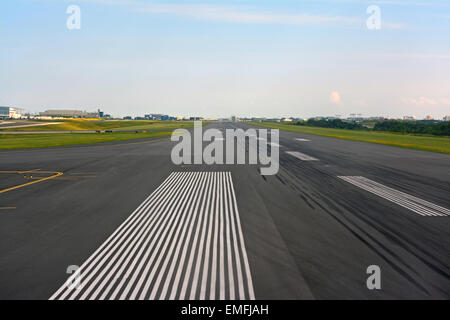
11 113
69 114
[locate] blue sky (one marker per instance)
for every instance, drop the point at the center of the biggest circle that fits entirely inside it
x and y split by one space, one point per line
211 58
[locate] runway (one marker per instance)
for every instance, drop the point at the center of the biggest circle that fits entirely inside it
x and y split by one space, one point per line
140 227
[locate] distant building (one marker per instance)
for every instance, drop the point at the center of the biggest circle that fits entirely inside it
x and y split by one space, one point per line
4 112
69 114
409 118
429 117
156 116
127 118
11 113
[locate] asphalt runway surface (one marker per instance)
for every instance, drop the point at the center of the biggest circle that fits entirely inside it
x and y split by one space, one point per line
141 227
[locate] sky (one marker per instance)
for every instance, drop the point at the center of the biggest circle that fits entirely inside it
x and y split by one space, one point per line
249 58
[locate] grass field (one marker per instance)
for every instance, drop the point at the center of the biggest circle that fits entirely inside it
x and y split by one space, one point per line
26 141
427 143
41 140
80 125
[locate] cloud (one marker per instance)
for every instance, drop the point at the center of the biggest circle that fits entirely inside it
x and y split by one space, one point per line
238 13
426 101
335 97
234 14
393 25
418 56
229 13
412 3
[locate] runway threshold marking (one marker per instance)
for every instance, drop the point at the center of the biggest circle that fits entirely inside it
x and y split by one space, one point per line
54 175
301 156
417 205
184 241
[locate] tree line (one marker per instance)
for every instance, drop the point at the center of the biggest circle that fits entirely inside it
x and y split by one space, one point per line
406 127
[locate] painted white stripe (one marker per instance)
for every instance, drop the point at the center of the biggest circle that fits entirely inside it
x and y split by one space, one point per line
143 244
130 222
228 242
221 240
212 292
202 242
204 182
182 241
208 240
139 258
393 196
181 263
242 245
303 140
150 248
133 246
397 199
417 205
100 266
301 156
235 243
191 254
174 216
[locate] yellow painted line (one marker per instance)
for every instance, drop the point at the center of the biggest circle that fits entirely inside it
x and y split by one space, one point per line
29 171
7 208
55 174
20 172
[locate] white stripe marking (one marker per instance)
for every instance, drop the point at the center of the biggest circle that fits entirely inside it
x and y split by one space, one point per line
221 244
417 205
192 252
132 220
163 219
208 242
303 140
301 156
202 241
167 234
169 253
111 262
192 212
242 245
